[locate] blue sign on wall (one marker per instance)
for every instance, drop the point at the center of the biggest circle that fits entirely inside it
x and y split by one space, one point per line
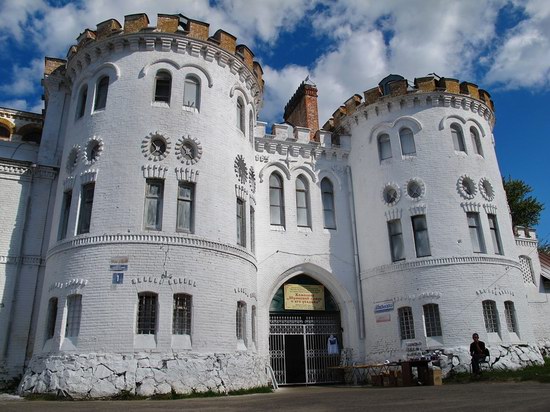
383 307
118 278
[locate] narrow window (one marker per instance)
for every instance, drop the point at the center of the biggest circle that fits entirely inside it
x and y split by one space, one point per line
192 92
490 315
384 146
181 321
101 93
82 97
396 240
526 269
86 204
406 323
327 193
184 220
163 86
421 239
302 202
52 317
253 322
241 321
276 200
251 126
431 320
153 204
240 114
241 223
476 235
510 313
74 312
65 211
495 234
408 147
252 230
476 141
147 313
458 139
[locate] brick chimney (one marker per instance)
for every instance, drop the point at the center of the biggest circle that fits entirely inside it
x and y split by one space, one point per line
301 110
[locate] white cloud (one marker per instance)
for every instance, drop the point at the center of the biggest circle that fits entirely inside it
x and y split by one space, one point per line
16 13
26 80
17 104
522 60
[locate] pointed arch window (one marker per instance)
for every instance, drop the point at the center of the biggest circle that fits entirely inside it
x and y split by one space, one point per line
327 193
101 93
163 86
276 200
384 146
458 138
476 141
192 92
406 136
302 202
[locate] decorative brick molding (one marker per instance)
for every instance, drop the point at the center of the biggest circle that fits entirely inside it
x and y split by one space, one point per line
186 174
25 260
68 183
393 214
418 210
152 239
88 176
154 171
490 209
10 169
495 291
73 283
241 192
457 260
471 207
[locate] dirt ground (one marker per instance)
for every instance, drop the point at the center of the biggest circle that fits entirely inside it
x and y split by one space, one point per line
473 397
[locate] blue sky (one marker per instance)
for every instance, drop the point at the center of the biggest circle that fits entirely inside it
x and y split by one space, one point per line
347 47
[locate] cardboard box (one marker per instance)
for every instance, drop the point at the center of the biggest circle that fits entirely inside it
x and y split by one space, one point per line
438 378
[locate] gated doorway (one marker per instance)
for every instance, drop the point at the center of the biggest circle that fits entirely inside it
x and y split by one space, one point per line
299 339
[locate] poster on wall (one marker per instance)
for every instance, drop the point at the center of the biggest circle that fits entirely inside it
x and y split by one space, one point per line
304 297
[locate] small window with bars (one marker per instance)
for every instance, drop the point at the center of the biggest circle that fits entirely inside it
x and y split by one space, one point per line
406 323
490 315
147 313
74 311
510 313
526 269
181 324
240 325
431 320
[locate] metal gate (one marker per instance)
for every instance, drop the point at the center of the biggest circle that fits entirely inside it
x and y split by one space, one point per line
298 347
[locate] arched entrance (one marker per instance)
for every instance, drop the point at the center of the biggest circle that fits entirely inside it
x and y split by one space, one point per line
305 336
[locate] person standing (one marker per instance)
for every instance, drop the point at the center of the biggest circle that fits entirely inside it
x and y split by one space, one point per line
478 352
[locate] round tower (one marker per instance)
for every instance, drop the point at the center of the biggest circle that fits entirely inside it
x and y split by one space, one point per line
437 251
154 214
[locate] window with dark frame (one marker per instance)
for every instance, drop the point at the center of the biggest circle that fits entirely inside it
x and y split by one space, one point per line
384 147
476 234
421 238
181 321
241 223
64 217
74 313
495 234
302 202
101 93
154 193
406 137
163 86
458 138
395 232
510 314
327 194
52 318
406 322
81 106
431 320
147 313
184 218
252 230
240 321
86 205
490 316
191 92
476 141
276 200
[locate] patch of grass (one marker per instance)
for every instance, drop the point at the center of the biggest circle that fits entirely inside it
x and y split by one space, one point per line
537 373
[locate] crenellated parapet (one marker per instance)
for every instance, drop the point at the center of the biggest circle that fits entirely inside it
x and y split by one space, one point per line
173 33
395 92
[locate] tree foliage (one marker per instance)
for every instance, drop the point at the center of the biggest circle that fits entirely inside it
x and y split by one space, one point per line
525 209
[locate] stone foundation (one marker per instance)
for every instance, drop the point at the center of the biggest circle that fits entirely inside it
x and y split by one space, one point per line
98 375
505 356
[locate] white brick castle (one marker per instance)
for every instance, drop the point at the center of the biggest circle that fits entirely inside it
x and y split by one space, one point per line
155 238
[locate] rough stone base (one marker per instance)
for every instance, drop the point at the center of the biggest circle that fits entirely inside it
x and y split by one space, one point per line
96 375
505 356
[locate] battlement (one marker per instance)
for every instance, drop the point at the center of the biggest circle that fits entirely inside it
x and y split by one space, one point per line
168 23
394 86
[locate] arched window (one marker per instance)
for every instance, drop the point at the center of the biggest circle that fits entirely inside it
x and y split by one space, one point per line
33 136
101 93
74 312
52 318
251 126
276 200
4 132
163 86
431 320
458 139
327 193
181 320
240 114
406 137
476 141
147 313
81 106
192 92
384 146
240 318
510 314
406 322
490 315
302 202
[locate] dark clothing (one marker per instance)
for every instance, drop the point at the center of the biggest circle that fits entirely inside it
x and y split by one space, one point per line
478 352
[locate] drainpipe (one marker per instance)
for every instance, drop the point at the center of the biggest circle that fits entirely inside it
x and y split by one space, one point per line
356 255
